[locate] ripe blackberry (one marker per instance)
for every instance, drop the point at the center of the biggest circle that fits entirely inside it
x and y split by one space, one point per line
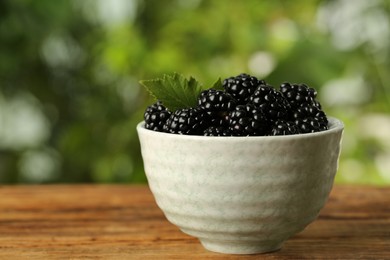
186 121
282 127
272 102
216 104
298 94
155 116
241 86
248 120
216 131
215 100
310 125
310 111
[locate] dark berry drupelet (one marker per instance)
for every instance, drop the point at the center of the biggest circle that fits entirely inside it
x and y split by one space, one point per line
216 104
298 94
217 131
248 120
186 121
155 116
241 87
272 102
310 125
282 127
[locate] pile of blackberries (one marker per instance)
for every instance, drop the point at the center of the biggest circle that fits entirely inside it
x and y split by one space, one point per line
246 107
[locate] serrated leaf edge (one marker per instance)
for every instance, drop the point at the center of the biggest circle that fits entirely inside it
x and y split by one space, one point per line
173 80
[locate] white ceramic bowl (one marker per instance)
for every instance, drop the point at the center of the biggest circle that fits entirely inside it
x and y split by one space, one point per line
241 195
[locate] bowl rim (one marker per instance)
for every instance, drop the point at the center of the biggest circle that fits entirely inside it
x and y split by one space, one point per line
335 125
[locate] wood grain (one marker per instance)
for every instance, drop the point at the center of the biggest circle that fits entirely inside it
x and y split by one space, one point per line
123 222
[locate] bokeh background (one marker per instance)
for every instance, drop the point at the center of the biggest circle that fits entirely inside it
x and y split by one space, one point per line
69 71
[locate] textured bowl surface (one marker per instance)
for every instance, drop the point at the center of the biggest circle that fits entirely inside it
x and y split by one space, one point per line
241 195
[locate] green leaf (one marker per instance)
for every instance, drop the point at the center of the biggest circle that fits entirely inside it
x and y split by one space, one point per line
218 85
174 91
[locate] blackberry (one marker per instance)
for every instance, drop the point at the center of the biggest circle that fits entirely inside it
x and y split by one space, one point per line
241 86
298 94
310 111
216 131
215 100
186 121
272 102
310 125
216 104
155 116
282 127
247 120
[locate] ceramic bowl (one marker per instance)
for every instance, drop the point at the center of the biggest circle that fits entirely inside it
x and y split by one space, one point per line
241 195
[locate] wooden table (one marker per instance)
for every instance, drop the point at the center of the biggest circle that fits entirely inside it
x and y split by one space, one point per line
123 222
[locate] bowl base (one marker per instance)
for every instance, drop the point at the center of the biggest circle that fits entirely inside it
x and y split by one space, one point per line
240 247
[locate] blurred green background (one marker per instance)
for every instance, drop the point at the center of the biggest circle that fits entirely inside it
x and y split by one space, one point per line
69 72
